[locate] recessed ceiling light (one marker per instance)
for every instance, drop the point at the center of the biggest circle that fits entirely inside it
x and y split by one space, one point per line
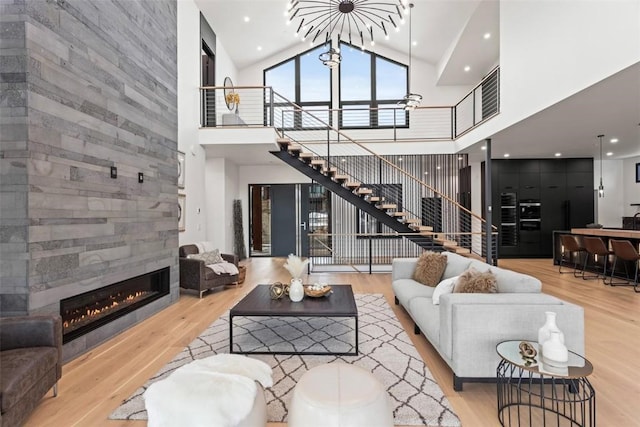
609 153
506 154
484 147
259 48
467 68
460 158
344 160
400 159
438 167
613 140
426 173
558 154
247 19
487 36
414 43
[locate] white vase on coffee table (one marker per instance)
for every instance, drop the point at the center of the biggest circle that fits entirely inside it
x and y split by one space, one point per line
296 290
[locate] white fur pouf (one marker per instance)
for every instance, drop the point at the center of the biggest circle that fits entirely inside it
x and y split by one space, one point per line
216 391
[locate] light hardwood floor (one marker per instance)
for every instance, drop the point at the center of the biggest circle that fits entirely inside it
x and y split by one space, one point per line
94 384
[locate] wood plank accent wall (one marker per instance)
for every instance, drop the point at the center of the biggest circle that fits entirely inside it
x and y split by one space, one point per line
102 92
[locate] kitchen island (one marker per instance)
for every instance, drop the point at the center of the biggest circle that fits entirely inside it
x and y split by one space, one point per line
606 234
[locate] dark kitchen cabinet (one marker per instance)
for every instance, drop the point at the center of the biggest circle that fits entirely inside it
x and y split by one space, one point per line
580 198
564 188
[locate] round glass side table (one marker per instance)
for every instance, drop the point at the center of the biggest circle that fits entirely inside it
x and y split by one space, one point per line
535 393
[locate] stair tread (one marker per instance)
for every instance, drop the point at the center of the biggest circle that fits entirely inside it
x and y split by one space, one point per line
363 190
293 147
283 142
421 227
399 214
350 184
341 177
387 206
412 221
376 199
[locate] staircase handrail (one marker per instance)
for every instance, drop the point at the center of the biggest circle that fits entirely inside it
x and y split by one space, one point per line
402 171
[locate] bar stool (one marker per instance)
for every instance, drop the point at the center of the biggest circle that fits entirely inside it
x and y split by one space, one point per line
624 250
570 246
595 247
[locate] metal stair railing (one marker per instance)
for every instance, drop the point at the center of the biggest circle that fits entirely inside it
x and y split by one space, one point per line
453 226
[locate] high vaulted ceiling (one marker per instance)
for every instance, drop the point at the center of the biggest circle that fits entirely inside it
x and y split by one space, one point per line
447 32
450 35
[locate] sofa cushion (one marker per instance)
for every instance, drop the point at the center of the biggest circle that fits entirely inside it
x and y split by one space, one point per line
429 268
212 257
21 369
473 281
407 289
511 282
444 287
456 265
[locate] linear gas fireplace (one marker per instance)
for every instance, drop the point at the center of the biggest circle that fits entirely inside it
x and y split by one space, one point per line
90 310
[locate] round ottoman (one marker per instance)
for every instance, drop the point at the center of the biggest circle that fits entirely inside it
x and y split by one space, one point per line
339 395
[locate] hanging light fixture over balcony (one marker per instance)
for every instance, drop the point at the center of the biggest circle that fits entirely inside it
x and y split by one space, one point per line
352 19
331 58
410 100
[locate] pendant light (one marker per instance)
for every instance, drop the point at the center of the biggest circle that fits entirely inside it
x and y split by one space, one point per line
410 100
601 187
332 57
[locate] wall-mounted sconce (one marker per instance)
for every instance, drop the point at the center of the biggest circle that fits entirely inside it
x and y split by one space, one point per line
140 177
114 172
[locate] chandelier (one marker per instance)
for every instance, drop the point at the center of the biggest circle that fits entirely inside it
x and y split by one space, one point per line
320 19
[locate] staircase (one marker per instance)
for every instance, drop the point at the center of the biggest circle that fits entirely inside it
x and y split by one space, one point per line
403 222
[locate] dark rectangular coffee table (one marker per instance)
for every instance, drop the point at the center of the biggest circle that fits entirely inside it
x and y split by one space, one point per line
257 303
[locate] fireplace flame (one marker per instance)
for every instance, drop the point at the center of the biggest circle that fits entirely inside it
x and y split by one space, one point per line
79 318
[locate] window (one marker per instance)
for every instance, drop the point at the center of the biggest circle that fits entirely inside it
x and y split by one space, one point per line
370 81
302 80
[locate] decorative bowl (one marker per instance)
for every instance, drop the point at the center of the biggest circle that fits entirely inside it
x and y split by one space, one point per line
317 292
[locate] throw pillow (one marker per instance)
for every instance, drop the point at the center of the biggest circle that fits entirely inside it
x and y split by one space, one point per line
473 281
212 257
429 268
444 287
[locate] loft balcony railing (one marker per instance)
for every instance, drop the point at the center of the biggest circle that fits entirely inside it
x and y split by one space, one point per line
260 106
451 225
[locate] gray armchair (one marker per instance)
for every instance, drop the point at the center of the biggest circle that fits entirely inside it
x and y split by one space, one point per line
30 364
195 275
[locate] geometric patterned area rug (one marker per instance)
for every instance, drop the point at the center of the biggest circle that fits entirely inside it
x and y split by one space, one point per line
384 349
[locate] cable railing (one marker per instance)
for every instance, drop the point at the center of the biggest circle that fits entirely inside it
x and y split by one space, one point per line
411 198
395 191
358 252
260 105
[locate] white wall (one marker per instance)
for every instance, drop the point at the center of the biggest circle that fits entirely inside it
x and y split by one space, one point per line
630 186
189 46
610 207
550 50
620 190
221 176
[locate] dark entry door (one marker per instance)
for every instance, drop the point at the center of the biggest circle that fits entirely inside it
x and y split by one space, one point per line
289 219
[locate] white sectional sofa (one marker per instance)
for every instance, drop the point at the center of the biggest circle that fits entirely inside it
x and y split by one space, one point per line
465 328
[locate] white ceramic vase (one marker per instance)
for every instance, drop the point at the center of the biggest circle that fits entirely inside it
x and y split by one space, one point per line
554 351
296 290
544 333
